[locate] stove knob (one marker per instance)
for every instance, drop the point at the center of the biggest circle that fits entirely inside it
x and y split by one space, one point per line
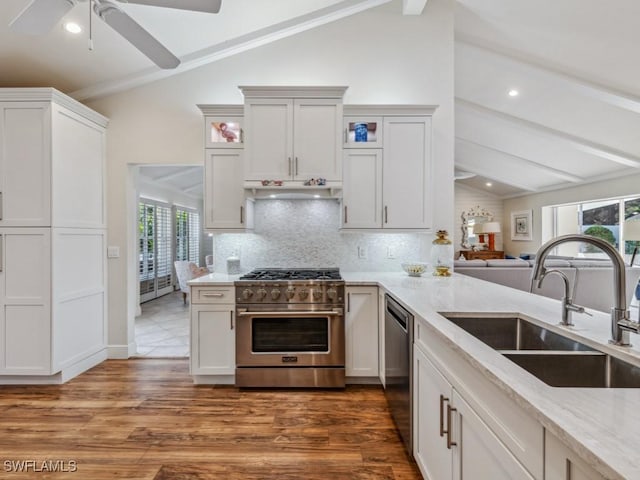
246 294
261 293
332 293
317 295
303 293
275 294
291 292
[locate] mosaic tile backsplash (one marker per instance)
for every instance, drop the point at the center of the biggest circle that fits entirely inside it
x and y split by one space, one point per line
304 233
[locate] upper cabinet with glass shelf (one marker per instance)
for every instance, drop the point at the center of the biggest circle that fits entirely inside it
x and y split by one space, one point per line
224 126
362 131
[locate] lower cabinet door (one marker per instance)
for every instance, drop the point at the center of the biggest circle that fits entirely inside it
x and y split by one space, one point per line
479 453
431 395
561 463
213 340
361 332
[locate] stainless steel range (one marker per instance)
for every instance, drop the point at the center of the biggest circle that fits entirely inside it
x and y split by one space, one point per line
290 328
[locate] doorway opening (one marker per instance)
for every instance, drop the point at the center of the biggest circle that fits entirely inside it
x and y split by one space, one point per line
169 229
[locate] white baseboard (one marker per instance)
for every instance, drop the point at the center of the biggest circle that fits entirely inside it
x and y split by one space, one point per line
121 352
214 379
83 365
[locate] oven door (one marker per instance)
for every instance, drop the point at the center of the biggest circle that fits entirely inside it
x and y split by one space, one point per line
290 338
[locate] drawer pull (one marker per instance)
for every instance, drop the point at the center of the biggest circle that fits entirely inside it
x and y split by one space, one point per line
216 295
442 400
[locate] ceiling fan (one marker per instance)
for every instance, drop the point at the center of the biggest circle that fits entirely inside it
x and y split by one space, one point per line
40 16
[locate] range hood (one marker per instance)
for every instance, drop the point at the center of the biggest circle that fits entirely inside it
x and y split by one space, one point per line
292 190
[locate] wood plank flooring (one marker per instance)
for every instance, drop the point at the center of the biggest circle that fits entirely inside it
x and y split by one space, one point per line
144 419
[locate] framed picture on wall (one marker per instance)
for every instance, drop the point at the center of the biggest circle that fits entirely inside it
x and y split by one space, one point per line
521 225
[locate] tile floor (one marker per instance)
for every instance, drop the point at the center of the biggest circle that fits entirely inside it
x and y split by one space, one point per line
162 330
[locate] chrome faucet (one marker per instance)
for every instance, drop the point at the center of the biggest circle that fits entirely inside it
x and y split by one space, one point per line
621 325
567 300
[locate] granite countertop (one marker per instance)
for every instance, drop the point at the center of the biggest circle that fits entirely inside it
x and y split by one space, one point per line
601 425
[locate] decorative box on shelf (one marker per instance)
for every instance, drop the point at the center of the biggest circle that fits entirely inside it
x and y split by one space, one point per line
481 254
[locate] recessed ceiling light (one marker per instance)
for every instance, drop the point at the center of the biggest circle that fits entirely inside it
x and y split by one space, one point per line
72 27
513 92
489 184
316 196
272 196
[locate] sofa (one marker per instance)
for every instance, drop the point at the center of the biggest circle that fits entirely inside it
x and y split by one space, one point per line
590 279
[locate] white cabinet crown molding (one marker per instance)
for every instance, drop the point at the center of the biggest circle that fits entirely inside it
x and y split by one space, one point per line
229 109
396 109
293 91
48 94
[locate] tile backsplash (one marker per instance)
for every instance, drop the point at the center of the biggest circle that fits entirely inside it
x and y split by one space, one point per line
304 233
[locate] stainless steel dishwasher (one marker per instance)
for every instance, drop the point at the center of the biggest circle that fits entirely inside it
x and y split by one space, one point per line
398 358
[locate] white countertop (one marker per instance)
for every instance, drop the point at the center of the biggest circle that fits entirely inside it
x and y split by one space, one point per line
601 425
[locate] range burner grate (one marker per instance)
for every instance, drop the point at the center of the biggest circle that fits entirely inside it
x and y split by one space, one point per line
293 274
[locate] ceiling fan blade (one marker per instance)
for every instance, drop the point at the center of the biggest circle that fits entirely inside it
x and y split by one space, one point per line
40 16
207 6
136 35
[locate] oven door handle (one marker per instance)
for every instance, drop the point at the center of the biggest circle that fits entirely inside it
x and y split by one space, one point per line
288 313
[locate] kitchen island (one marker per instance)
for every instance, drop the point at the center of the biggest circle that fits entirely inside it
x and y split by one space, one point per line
599 425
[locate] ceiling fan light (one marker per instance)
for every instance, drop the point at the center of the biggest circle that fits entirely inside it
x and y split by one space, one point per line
72 27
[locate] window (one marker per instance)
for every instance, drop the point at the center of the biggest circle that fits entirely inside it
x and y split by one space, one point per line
155 263
187 235
600 219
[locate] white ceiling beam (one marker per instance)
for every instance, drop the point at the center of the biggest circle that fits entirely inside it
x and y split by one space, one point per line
173 175
587 87
413 7
592 148
484 172
561 174
195 186
231 47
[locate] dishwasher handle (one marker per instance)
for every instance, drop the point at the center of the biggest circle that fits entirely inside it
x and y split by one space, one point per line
398 313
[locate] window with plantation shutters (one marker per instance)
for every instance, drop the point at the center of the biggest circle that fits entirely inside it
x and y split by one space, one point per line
187 235
155 261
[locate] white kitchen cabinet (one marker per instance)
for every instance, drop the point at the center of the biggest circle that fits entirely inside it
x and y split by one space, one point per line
225 205
213 340
25 301
293 134
431 394
361 332
362 188
407 180
53 236
452 441
213 335
225 129
562 463
362 131
391 187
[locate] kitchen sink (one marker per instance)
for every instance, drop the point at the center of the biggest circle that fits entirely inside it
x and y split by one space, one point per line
557 360
514 333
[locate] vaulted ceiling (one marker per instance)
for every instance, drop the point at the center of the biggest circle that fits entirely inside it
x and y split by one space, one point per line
573 62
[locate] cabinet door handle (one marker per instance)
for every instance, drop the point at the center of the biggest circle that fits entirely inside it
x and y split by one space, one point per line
449 442
241 135
346 135
1 207
296 166
442 400
1 253
289 160
348 302
241 214
345 214
216 295
231 319
386 215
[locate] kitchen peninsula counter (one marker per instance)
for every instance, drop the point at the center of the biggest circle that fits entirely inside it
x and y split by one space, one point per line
601 425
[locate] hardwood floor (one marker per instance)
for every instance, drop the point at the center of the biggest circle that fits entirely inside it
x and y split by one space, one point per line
144 419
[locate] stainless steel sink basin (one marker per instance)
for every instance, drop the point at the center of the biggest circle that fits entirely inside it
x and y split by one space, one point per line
557 360
514 333
571 369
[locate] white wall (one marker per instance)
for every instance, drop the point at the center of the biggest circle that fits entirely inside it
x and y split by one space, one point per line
624 186
382 56
467 198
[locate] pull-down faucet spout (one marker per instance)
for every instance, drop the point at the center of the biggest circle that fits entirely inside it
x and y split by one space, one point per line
620 322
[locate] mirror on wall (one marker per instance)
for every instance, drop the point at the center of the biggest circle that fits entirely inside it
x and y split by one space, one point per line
470 219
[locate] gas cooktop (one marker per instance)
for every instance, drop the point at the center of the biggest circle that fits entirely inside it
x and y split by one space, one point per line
288 274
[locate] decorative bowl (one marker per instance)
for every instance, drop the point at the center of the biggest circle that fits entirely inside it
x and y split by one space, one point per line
415 269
